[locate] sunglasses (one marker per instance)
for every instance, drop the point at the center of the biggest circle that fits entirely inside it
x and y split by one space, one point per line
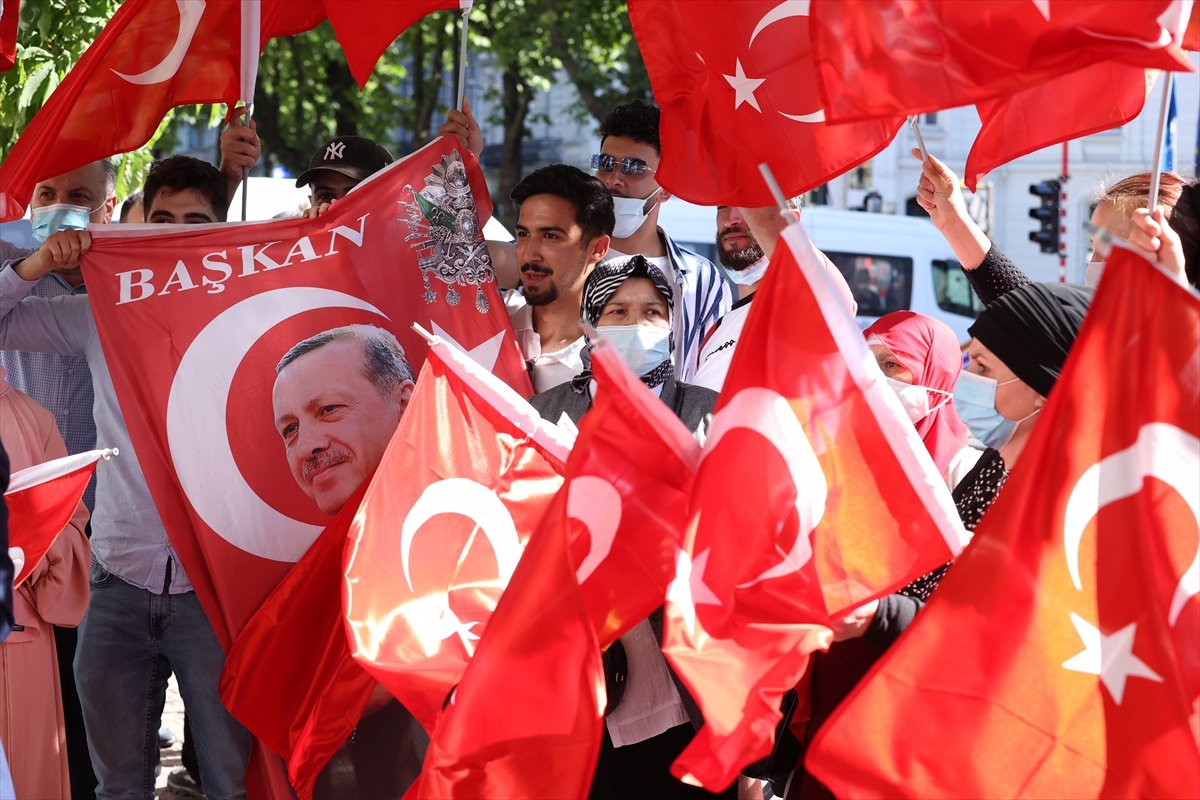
602 162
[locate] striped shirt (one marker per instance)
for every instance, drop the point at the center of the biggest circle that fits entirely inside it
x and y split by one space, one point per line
702 296
61 384
128 537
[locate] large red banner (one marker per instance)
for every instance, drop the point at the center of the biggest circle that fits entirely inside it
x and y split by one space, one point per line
194 320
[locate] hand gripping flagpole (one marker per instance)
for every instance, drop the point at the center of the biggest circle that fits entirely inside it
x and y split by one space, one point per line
465 5
1156 172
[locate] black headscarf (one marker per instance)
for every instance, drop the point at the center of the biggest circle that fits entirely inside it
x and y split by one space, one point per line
600 287
1031 329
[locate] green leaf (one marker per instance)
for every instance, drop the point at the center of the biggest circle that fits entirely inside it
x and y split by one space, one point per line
36 78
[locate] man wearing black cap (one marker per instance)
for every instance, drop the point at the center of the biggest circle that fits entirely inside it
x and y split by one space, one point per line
338 166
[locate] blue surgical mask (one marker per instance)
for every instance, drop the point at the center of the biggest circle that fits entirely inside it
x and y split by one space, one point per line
748 276
49 220
642 347
975 402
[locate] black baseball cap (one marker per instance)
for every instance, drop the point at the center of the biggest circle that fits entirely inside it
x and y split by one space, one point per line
352 156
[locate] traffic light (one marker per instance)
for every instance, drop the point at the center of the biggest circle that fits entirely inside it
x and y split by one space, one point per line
1046 212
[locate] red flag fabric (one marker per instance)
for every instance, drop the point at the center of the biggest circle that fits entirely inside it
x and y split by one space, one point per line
304 706
1060 657
462 485
194 319
625 501
153 56
10 17
599 563
737 87
876 60
41 501
845 505
365 28
1097 98
540 654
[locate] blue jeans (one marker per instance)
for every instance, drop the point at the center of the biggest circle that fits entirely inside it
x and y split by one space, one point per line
125 631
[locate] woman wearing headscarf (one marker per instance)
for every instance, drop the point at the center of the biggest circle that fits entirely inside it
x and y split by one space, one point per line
630 304
921 360
1020 343
55 593
650 717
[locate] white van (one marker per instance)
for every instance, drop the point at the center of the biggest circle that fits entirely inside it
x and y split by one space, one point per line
891 262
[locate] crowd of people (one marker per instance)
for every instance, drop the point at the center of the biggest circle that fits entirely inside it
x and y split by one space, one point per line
81 718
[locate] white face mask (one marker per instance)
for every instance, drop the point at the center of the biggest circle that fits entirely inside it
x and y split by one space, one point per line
748 276
915 399
1091 276
642 347
631 214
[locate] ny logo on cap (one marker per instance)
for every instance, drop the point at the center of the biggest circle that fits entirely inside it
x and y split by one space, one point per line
335 150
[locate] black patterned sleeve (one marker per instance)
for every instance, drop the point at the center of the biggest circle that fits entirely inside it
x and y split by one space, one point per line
995 275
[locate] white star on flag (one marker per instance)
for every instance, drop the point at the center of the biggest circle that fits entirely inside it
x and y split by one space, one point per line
744 87
1111 657
485 354
688 588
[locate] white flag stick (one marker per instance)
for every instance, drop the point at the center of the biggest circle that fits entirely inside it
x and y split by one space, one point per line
1156 170
915 123
465 5
251 39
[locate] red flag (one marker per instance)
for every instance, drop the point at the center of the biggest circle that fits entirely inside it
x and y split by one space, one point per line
154 55
814 495
194 319
41 501
737 87
304 705
10 17
463 483
539 654
365 28
1097 98
1060 657
622 505
625 501
150 57
876 59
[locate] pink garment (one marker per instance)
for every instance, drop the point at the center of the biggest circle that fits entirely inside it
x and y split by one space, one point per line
56 593
930 351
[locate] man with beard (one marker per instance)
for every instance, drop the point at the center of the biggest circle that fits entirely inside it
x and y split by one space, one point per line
564 225
746 238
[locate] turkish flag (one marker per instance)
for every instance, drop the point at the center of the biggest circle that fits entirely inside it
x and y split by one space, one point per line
540 654
193 320
365 28
289 677
151 57
1098 98
814 495
876 60
1060 657
464 482
598 564
10 17
155 55
41 501
737 87
625 500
